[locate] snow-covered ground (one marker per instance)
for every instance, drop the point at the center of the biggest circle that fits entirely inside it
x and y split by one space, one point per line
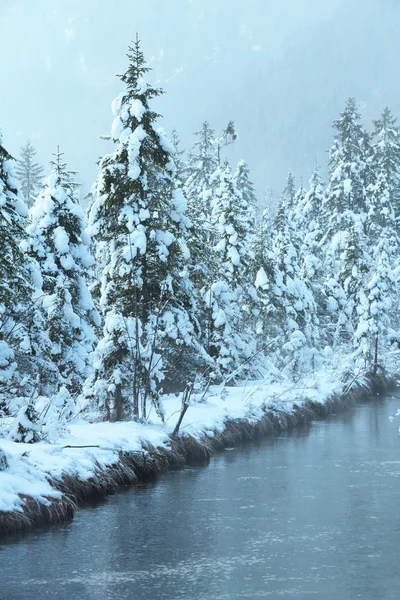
32 466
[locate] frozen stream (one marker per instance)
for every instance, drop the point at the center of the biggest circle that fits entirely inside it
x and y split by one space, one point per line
314 513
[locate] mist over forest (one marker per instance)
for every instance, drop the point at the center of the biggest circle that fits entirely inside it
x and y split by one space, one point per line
281 69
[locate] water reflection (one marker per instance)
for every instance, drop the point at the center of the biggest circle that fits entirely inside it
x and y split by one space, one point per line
309 514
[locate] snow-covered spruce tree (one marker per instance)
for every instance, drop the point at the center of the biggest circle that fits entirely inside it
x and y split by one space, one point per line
377 298
385 160
26 427
351 277
308 212
290 199
349 172
14 278
198 189
180 164
293 301
3 460
244 185
30 173
139 225
24 347
58 241
201 164
310 233
230 297
343 217
262 238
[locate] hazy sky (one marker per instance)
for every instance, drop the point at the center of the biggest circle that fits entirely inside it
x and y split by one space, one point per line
281 69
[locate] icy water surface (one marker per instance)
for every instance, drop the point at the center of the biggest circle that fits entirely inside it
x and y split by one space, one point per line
310 514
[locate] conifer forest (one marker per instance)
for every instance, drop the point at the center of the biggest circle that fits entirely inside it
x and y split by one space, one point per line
176 275
177 305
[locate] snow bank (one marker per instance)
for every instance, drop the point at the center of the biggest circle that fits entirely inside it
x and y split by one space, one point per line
36 471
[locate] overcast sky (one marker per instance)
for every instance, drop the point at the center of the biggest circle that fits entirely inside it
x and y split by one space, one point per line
281 69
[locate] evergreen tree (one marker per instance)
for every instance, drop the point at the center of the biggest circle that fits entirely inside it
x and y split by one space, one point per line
349 172
231 296
30 173
291 301
26 428
139 226
380 290
351 278
308 212
23 344
385 167
245 187
178 156
201 165
309 235
14 278
262 239
57 240
344 215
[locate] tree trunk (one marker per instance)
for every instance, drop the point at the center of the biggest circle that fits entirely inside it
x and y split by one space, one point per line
119 411
376 356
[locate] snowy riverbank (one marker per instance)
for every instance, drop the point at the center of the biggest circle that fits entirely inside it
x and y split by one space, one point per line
44 482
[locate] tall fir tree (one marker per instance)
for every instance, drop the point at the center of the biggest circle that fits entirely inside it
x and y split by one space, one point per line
179 161
244 185
201 165
344 213
139 225
309 235
24 348
231 296
58 242
30 173
375 313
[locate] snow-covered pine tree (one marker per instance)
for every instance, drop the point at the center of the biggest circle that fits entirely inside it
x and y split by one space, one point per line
375 316
201 165
22 351
139 225
262 238
26 427
180 164
58 241
293 299
14 276
351 277
30 173
244 185
231 296
309 235
308 212
386 157
343 217
349 172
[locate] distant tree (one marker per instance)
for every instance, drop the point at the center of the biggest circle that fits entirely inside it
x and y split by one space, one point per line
308 213
244 185
30 173
178 156
201 164
385 167
349 173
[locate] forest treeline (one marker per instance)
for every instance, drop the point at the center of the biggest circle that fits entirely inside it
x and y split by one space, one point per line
173 277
